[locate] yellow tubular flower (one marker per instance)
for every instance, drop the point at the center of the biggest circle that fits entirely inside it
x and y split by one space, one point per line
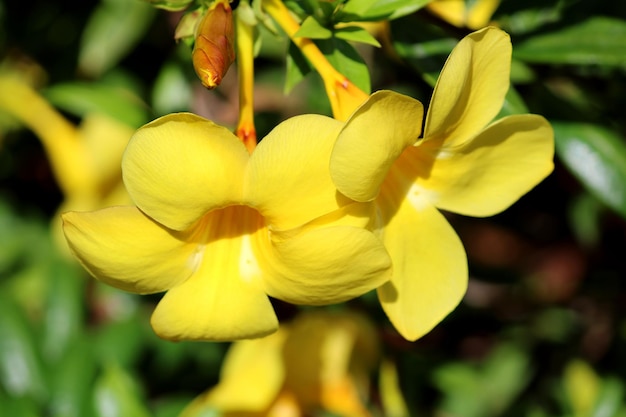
245 63
220 229
85 159
462 165
457 13
322 360
343 95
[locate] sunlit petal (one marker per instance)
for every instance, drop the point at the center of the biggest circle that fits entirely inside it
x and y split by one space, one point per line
471 88
288 179
372 139
224 298
124 248
429 265
180 166
325 265
488 174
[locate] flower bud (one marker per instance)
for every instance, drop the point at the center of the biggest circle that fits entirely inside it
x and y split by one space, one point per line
213 51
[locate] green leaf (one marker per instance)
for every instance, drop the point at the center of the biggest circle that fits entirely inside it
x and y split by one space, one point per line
367 10
529 16
596 41
117 394
171 92
297 67
485 390
356 34
170 5
20 366
112 31
597 157
18 406
81 98
610 399
353 9
347 61
72 381
513 104
584 217
64 316
521 73
312 29
506 373
425 50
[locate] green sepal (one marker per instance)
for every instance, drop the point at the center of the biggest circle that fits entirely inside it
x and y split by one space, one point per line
345 59
356 34
312 29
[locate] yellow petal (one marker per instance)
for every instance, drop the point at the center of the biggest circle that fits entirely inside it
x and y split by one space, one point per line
452 11
471 88
250 380
180 166
325 265
480 14
288 179
456 12
488 174
429 265
224 298
370 142
126 249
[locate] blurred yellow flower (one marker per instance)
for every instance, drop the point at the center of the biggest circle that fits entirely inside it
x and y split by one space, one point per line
464 13
320 361
461 164
220 229
84 159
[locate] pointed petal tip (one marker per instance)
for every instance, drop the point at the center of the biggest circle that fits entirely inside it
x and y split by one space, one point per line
370 142
430 270
197 334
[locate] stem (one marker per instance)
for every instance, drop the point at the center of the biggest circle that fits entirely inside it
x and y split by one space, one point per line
245 65
344 96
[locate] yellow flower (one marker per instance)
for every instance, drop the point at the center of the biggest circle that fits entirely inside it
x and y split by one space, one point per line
220 229
459 165
459 13
321 360
85 159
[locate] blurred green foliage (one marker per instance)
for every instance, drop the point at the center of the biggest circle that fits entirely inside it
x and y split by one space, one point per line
541 332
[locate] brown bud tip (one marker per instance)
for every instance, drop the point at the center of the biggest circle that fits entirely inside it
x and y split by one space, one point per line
214 51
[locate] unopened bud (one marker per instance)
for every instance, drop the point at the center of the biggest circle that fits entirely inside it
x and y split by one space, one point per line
214 51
